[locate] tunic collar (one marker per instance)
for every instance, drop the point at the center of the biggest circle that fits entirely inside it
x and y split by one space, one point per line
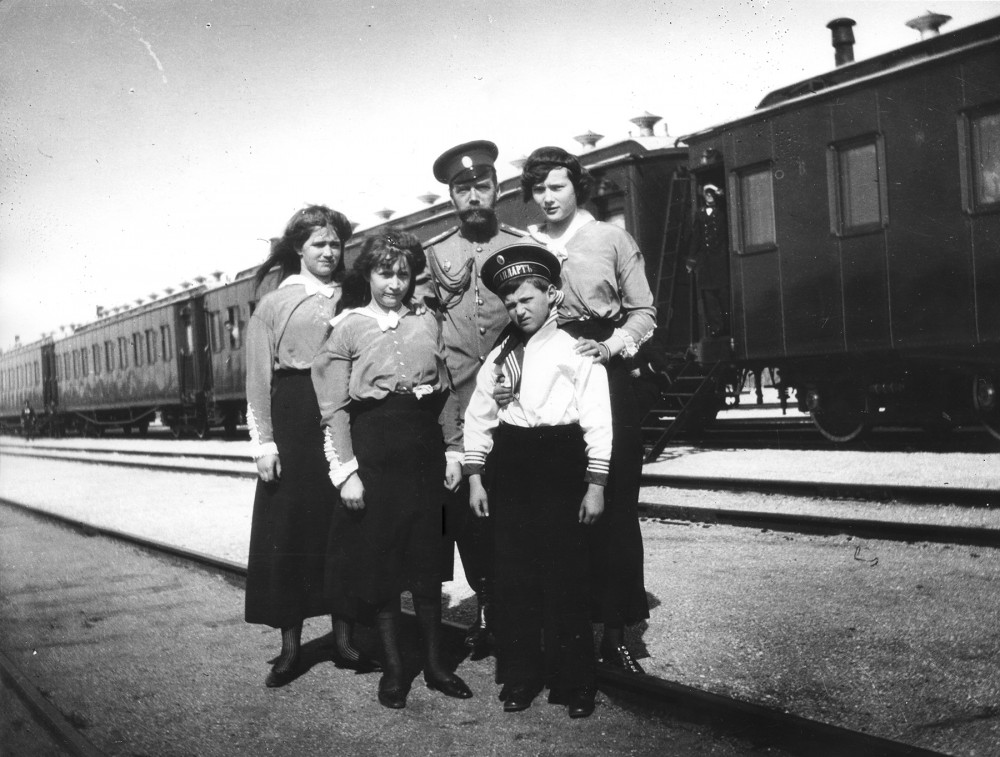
311 285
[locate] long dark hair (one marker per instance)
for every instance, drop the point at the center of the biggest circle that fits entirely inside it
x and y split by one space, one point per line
544 159
380 252
285 249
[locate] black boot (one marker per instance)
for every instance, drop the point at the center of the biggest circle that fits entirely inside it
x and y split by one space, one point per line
614 652
479 639
393 687
436 673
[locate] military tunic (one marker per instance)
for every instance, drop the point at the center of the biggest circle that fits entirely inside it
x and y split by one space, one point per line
473 315
472 319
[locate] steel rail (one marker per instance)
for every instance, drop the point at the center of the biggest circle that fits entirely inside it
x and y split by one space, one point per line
777 727
786 522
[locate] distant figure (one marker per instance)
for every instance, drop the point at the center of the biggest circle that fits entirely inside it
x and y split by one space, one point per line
709 259
28 421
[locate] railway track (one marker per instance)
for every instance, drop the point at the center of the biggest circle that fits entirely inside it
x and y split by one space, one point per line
239 467
761 725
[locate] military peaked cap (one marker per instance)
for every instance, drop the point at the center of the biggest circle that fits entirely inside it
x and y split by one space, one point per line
519 260
466 162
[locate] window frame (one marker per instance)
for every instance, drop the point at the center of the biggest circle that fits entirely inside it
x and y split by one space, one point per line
150 346
738 224
166 335
835 185
967 155
122 353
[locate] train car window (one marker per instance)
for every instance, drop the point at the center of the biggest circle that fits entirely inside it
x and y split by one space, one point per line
96 349
856 186
84 368
38 377
137 349
235 328
76 364
253 306
150 347
215 331
66 366
122 353
756 203
165 343
985 154
109 356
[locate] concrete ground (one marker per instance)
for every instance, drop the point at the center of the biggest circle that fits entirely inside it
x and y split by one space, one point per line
151 658
898 640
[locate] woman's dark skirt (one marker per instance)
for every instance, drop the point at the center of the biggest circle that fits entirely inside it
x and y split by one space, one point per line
394 544
291 516
535 486
617 580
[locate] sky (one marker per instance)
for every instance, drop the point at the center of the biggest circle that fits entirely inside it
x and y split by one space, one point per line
147 142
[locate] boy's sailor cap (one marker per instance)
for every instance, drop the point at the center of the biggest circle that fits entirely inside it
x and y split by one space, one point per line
519 260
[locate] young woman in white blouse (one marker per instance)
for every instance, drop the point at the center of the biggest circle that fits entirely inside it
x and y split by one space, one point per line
294 500
388 416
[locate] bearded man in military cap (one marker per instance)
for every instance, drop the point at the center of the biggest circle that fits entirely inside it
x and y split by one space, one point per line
473 318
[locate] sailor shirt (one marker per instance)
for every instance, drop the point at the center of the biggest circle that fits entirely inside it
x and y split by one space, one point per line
557 387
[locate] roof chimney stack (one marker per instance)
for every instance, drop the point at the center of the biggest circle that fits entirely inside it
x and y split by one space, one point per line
646 122
929 24
589 140
843 40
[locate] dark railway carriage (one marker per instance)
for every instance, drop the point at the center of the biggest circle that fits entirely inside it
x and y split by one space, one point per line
26 375
120 371
864 224
227 311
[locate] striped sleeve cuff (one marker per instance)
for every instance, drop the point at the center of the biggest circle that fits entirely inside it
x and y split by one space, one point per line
597 472
474 462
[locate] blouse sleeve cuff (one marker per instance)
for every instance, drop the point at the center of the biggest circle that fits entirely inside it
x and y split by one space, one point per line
630 344
339 473
262 449
454 455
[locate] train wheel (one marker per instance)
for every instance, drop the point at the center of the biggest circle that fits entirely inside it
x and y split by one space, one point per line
842 419
176 430
986 403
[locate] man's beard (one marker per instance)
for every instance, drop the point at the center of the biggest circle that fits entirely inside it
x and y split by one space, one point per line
478 223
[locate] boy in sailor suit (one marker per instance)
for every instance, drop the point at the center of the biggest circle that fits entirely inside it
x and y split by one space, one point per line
537 468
